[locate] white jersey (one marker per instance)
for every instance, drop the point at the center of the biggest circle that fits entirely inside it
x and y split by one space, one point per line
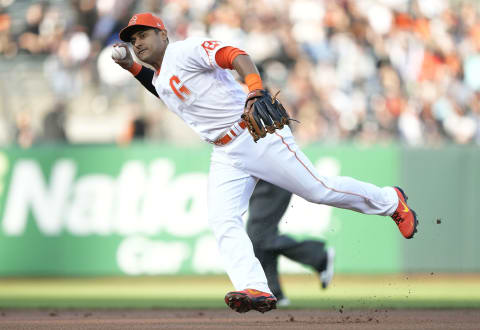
192 85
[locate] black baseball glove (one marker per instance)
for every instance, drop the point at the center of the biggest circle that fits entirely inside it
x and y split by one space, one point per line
264 114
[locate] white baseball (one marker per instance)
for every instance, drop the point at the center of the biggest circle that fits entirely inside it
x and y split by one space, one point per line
119 53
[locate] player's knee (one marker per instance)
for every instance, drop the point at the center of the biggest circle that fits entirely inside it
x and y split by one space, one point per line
221 225
313 197
316 194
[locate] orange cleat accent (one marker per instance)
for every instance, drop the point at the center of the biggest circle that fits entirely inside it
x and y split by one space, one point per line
404 217
248 299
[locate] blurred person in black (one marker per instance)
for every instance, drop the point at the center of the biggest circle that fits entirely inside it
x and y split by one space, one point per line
267 206
136 129
54 124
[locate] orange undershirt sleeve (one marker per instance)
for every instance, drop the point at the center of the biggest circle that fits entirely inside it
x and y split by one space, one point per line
225 56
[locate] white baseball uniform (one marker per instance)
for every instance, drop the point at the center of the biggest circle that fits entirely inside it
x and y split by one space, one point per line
209 100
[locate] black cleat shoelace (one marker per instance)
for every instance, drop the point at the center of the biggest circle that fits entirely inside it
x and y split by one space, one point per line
397 218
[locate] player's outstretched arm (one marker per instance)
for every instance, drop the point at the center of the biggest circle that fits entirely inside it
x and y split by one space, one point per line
143 74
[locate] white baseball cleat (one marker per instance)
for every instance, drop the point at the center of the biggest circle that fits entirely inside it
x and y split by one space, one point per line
327 274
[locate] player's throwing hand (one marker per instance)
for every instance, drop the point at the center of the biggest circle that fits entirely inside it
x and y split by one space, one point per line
125 62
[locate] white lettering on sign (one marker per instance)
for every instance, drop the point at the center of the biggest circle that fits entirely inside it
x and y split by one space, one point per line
156 210
188 202
130 190
28 190
90 211
142 200
140 255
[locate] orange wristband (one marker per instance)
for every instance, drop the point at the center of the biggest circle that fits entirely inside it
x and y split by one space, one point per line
253 81
135 68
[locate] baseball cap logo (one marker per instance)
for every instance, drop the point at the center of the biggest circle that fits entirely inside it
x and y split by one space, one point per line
133 20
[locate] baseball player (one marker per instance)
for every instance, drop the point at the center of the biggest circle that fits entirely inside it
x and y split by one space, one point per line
268 204
190 77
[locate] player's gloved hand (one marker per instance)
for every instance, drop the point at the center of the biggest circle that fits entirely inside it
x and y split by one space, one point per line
263 114
127 61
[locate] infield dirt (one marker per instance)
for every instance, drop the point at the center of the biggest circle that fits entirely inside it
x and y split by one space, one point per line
227 319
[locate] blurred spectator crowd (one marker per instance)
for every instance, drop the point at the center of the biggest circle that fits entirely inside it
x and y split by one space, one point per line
367 71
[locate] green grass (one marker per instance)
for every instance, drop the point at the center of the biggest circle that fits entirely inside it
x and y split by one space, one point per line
406 291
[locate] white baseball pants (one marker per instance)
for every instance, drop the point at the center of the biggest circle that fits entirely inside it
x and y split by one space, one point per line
234 171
